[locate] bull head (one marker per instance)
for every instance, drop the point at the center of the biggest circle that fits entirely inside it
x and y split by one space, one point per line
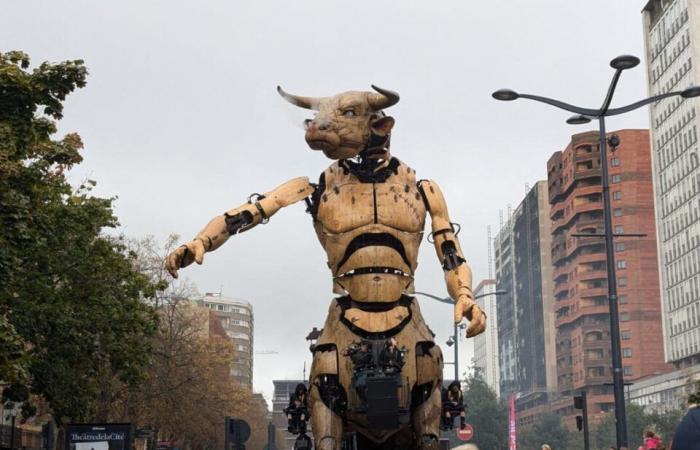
348 124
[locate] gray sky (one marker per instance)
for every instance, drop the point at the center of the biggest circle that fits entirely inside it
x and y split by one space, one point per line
181 120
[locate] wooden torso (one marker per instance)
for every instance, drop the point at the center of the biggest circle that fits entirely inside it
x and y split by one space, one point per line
371 231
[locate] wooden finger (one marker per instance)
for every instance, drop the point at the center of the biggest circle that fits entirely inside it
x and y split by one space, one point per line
477 324
170 265
198 251
459 311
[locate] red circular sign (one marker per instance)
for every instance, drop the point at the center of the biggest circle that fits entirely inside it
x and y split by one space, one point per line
465 433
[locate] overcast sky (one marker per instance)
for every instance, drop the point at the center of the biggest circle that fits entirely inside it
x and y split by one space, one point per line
181 120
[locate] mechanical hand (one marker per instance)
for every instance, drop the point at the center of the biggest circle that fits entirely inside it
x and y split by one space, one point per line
185 255
466 307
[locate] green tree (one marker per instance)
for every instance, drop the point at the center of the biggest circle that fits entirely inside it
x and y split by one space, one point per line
547 429
70 297
486 413
638 420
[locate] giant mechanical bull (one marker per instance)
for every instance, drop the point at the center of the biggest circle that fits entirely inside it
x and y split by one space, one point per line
369 214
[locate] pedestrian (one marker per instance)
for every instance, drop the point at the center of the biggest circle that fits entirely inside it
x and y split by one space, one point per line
652 441
687 435
546 447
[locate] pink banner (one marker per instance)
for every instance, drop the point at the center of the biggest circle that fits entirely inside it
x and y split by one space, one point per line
511 423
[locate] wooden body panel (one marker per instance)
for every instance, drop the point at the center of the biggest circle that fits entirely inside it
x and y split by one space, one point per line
351 213
337 334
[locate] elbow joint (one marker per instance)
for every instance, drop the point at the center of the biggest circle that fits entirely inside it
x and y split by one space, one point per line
451 257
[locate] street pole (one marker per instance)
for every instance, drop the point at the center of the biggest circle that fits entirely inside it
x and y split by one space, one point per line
586 437
618 381
12 433
456 338
585 115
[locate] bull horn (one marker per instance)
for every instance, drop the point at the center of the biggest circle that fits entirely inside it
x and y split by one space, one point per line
302 102
384 99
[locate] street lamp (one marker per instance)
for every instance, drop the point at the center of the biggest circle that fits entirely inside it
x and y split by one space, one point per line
585 115
454 339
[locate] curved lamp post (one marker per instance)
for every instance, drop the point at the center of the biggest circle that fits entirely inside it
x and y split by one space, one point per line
585 115
454 339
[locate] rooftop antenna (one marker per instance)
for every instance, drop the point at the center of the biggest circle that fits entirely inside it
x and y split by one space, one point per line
500 220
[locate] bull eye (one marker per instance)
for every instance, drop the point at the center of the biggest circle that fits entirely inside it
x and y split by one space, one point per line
349 113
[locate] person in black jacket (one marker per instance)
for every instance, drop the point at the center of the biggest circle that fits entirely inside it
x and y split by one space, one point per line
297 412
362 359
687 435
391 359
453 405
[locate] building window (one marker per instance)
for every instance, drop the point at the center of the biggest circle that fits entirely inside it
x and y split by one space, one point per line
623 299
617 195
628 370
617 212
616 178
626 352
619 246
615 162
220 307
624 317
619 229
622 264
625 335
622 281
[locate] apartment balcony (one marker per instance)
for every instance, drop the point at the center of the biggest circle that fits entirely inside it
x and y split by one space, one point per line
590 258
561 288
593 156
593 292
594 380
561 272
591 275
599 343
574 211
587 173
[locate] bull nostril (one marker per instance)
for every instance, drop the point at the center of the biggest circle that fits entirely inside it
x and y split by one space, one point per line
323 126
307 123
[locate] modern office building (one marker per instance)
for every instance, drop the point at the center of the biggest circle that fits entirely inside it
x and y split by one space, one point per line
506 324
583 345
672 42
486 344
666 392
526 338
236 317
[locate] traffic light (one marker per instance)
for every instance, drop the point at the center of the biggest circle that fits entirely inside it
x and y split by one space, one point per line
580 402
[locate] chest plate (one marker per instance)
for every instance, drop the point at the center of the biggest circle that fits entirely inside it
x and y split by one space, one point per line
370 231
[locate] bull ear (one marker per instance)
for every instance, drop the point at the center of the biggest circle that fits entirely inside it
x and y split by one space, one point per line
382 126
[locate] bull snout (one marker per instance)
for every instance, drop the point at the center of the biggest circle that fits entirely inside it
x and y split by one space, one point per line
316 125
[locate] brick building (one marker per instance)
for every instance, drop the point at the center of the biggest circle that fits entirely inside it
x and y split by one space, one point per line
583 345
236 318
